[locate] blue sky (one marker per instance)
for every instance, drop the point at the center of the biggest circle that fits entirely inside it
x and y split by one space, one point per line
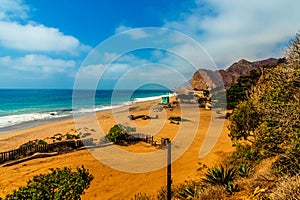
45 44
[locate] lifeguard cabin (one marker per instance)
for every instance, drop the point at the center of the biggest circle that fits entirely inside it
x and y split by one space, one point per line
165 100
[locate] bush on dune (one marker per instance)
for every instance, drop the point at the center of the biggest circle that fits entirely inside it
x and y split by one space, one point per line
58 184
119 133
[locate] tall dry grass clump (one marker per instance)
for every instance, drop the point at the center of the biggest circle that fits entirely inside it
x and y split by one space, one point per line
216 192
288 188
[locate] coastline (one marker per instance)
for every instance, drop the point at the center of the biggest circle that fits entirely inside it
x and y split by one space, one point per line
18 123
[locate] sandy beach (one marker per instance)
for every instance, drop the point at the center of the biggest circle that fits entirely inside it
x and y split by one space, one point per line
110 183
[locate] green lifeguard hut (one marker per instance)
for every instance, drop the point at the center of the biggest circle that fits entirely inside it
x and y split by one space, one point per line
165 100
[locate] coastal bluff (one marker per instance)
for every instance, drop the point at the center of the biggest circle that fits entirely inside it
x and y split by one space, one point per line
208 79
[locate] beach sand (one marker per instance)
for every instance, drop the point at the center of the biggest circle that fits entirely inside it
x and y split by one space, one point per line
110 183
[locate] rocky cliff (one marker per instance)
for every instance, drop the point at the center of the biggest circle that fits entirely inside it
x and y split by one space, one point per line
208 79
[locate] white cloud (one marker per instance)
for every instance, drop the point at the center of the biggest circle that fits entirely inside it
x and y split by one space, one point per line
102 71
31 36
90 72
113 67
151 73
128 58
122 28
109 57
128 76
234 29
135 33
37 64
13 9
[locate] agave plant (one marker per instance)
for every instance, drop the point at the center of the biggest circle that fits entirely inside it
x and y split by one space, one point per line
188 191
221 176
244 170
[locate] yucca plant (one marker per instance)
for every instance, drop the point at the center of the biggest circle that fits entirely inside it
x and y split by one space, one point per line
221 176
189 190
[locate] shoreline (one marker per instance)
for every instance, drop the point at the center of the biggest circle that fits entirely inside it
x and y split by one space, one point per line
34 123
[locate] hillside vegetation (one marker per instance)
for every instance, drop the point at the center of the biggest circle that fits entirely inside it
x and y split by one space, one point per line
269 119
265 129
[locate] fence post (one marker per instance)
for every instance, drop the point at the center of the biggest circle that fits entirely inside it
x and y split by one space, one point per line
169 170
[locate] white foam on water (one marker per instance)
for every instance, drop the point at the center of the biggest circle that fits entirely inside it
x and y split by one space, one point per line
98 109
11 120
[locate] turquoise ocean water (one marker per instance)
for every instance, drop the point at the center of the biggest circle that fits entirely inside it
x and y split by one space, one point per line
18 106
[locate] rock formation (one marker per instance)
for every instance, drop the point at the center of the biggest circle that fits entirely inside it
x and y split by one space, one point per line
208 79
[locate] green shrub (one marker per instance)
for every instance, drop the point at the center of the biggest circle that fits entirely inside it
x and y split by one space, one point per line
245 154
33 143
288 163
71 136
238 92
244 120
59 184
119 133
41 142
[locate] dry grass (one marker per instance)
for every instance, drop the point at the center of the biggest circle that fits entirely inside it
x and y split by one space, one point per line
287 188
213 192
257 186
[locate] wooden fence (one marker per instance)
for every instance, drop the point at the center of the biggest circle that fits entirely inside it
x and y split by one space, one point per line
160 143
43 148
66 145
139 137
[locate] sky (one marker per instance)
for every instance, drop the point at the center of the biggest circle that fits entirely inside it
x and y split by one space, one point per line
109 43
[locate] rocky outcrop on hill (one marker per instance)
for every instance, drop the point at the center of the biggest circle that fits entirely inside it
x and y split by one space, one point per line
208 79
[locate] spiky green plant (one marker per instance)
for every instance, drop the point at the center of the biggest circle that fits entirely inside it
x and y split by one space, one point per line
219 175
188 190
244 170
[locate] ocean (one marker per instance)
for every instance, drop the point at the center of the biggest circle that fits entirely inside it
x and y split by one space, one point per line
22 106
